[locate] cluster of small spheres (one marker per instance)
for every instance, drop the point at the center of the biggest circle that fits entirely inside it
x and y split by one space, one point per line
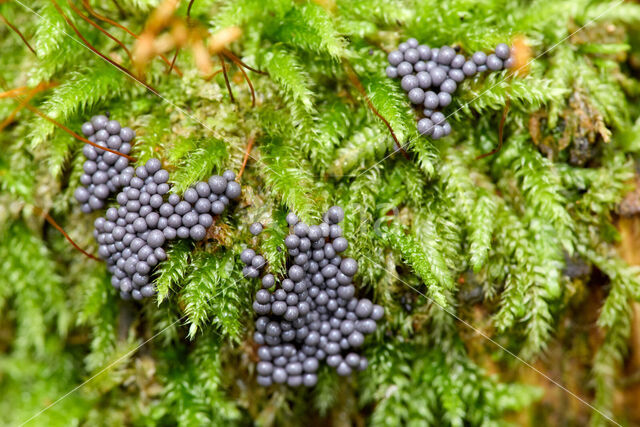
431 76
311 315
132 235
102 169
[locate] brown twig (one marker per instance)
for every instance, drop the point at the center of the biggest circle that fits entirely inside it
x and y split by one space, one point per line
23 103
246 77
75 135
356 82
96 51
212 75
175 55
247 152
102 30
61 230
17 31
14 92
237 60
89 9
226 77
500 132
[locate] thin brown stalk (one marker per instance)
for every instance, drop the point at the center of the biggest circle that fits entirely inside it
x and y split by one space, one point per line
212 75
89 9
356 82
96 51
102 30
17 31
237 60
500 132
226 77
23 103
247 153
14 92
55 225
175 55
246 77
75 135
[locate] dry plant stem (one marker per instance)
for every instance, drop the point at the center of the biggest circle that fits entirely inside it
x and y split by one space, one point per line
237 60
246 77
17 31
247 152
97 52
23 103
212 75
87 6
61 230
14 92
356 82
226 77
75 135
175 55
500 132
102 30
19 91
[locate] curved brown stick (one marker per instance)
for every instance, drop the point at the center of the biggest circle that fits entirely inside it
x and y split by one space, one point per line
247 152
75 135
96 51
356 82
212 75
226 77
89 9
237 60
61 230
175 55
246 77
23 103
14 92
500 132
87 6
17 31
102 30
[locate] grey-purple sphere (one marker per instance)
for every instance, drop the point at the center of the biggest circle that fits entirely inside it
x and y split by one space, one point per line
446 128
424 80
395 57
448 86
438 118
444 99
233 190
456 75
438 75
446 55
494 63
503 51
479 58
420 66
437 132
425 126
404 68
458 61
425 52
431 100
469 68
409 82
416 96
392 72
411 55
255 228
